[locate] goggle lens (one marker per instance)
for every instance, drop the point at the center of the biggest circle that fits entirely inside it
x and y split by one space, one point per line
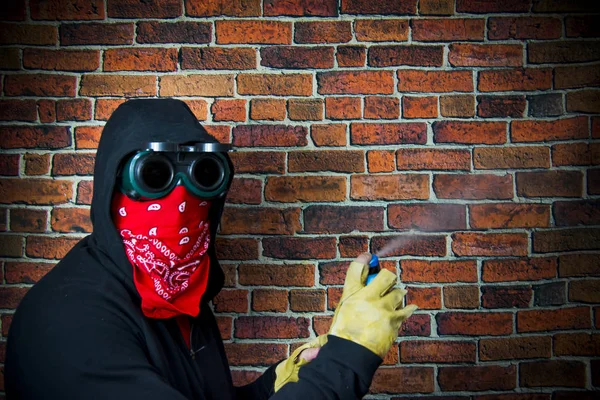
208 173
156 173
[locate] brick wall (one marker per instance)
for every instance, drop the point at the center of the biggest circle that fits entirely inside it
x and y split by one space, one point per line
468 128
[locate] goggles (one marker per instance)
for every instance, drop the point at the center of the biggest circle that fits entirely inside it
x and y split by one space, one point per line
201 167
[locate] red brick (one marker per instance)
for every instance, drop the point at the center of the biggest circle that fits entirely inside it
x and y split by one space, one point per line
307 300
323 32
515 79
244 377
270 300
10 58
385 7
28 220
464 297
579 265
49 247
11 246
290 189
297 57
345 219
18 110
403 379
105 108
40 85
351 56
229 110
264 162
381 161
212 8
482 7
237 249
552 373
37 164
389 187
562 52
509 215
225 325
378 107
333 273
550 6
593 181
576 344
26 272
96 34
305 109
585 101
434 81
71 220
67 10
420 107
536 131
503 28
549 184
275 84
73 164
326 160
576 77
61 60
9 164
442 30
87 137
519 269
473 187
245 191
277 274
425 298
28 34
506 296
575 154
427 217
233 300
267 109
196 85
74 110
489 244
321 324
255 353
352 246
269 136
475 323
355 82
436 7
457 106
582 26
381 30
35 191
118 85
266 221
551 320
511 157
10 297
415 245
46 110
438 271
147 9
478 378
299 8
253 32
342 107
174 32
437 351
586 291
485 55
569 213
469 132
501 106
49 137
328 135
416 325
433 159
413 55
230 272
299 248
218 58
515 348
388 133
84 192
140 59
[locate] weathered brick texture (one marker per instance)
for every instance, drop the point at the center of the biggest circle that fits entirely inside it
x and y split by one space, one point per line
468 131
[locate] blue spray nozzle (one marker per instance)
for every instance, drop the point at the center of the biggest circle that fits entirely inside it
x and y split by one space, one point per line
374 261
373 268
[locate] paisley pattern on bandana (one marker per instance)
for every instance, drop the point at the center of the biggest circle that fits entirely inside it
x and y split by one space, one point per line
166 240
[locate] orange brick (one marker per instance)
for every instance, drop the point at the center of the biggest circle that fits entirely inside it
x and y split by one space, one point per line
46 110
218 58
28 220
389 187
355 82
489 244
457 105
87 137
541 131
118 85
381 30
141 59
253 32
71 220
232 8
434 159
305 109
61 60
434 81
275 84
196 85
37 164
351 56
74 110
49 247
442 30
105 108
265 221
323 32
388 133
229 110
270 300
198 107
515 79
328 135
377 107
469 132
269 136
381 161
267 109
473 187
425 298
36 191
509 215
40 85
511 157
305 188
485 55
419 107
342 107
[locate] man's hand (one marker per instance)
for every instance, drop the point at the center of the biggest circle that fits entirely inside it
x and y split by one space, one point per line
287 370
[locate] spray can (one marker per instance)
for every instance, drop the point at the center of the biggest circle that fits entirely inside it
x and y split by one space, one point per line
374 268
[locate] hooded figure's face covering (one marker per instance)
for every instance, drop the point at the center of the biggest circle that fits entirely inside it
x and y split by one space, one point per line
163 206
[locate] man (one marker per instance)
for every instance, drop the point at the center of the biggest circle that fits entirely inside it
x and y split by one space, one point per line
125 314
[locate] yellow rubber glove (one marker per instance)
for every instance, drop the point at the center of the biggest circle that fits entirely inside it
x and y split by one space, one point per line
370 315
287 370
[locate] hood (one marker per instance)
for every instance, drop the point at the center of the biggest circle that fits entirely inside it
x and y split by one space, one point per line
132 125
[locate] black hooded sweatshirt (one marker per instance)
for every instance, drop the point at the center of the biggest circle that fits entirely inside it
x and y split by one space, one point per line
79 333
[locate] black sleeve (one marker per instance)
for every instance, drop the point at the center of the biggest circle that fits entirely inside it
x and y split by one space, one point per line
342 370
260 389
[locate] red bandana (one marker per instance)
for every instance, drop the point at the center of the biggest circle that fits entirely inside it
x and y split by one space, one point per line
166 241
